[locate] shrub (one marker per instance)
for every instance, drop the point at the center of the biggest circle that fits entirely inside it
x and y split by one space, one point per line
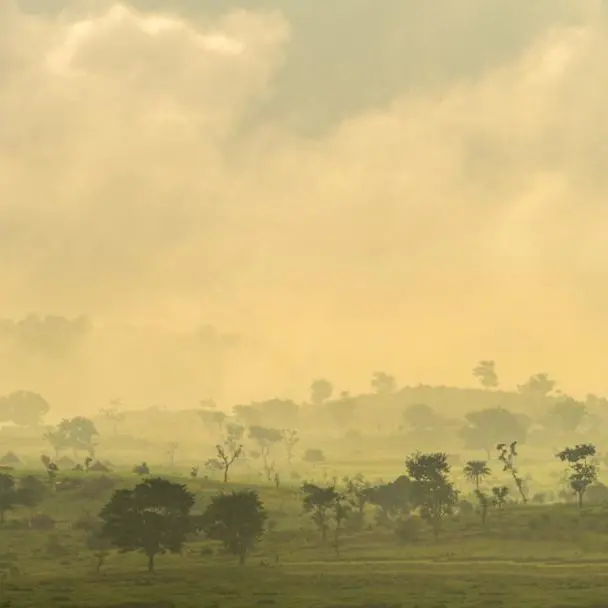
42 522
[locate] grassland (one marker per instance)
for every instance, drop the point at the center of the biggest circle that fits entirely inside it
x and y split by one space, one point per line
538 556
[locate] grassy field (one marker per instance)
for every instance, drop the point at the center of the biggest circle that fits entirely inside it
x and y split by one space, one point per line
538 556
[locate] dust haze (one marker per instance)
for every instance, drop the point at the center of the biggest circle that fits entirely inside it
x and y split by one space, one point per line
401 206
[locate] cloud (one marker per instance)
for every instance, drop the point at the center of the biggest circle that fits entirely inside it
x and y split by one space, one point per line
434 227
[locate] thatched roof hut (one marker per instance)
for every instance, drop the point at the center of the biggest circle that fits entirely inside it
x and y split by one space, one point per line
10 459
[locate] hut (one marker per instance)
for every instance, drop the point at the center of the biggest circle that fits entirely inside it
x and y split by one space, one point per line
10 459
99 467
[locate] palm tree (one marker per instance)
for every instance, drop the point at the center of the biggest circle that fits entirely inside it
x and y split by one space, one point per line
476 470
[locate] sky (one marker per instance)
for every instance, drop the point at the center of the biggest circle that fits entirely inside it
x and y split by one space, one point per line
352 187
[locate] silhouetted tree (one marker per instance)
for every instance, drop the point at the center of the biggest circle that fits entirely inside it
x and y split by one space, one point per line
582 472
320 391
237 520
485 372
476 470
538 384
24 408
565 416
485 428
507 454
229 451
314 456
290 439
265 439
154 517
383 383
432 492
8 494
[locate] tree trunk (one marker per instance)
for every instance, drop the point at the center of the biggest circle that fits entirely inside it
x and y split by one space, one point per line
226 473
580 500
151 562
242 557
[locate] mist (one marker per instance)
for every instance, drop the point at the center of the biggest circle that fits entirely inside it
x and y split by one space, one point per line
168 170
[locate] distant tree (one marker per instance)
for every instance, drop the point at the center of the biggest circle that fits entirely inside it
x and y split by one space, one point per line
290 440
76 433
394 500
9 497
24 408
229 451
485 428
172 448
358 494
320 391
421 417
499 496
249 415
565 416
432 491
314 456
383 383
213 420
99 546
341 411
237 520
507 454
154 517
476 470
539 384
321 504
582 471
485 372
113 416
484 501
265 438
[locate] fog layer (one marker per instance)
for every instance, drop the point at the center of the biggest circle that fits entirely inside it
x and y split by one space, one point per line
157 169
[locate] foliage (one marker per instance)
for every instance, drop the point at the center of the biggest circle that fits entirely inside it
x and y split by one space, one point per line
565 416
582 471
237 520
476 470
229 451
320 391
485 428
265 439
393 500
383 383
432 492
24 408
9 496
154 517
325 505
507 454
76 433
538 384
485 372
290 439
314 456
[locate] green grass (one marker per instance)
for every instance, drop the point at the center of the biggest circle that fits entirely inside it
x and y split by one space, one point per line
526 556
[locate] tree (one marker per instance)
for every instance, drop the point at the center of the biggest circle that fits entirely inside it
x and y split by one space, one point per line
314 456
237 520
507 455
383 383
538 384
566 415
76 433
229 451
476 470
393 499
113 416
290 439
358 494
212 419
485 428
582 472
265 439
432 492
323 504
172 447
8 494
499 496
154 517
485 372
421 417
320 391
24 408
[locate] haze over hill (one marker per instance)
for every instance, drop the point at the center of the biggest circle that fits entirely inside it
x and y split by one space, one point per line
325 183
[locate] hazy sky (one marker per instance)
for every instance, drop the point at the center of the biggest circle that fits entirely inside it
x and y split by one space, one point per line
408 186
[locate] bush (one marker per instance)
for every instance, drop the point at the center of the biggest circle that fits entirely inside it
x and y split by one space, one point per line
86 521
